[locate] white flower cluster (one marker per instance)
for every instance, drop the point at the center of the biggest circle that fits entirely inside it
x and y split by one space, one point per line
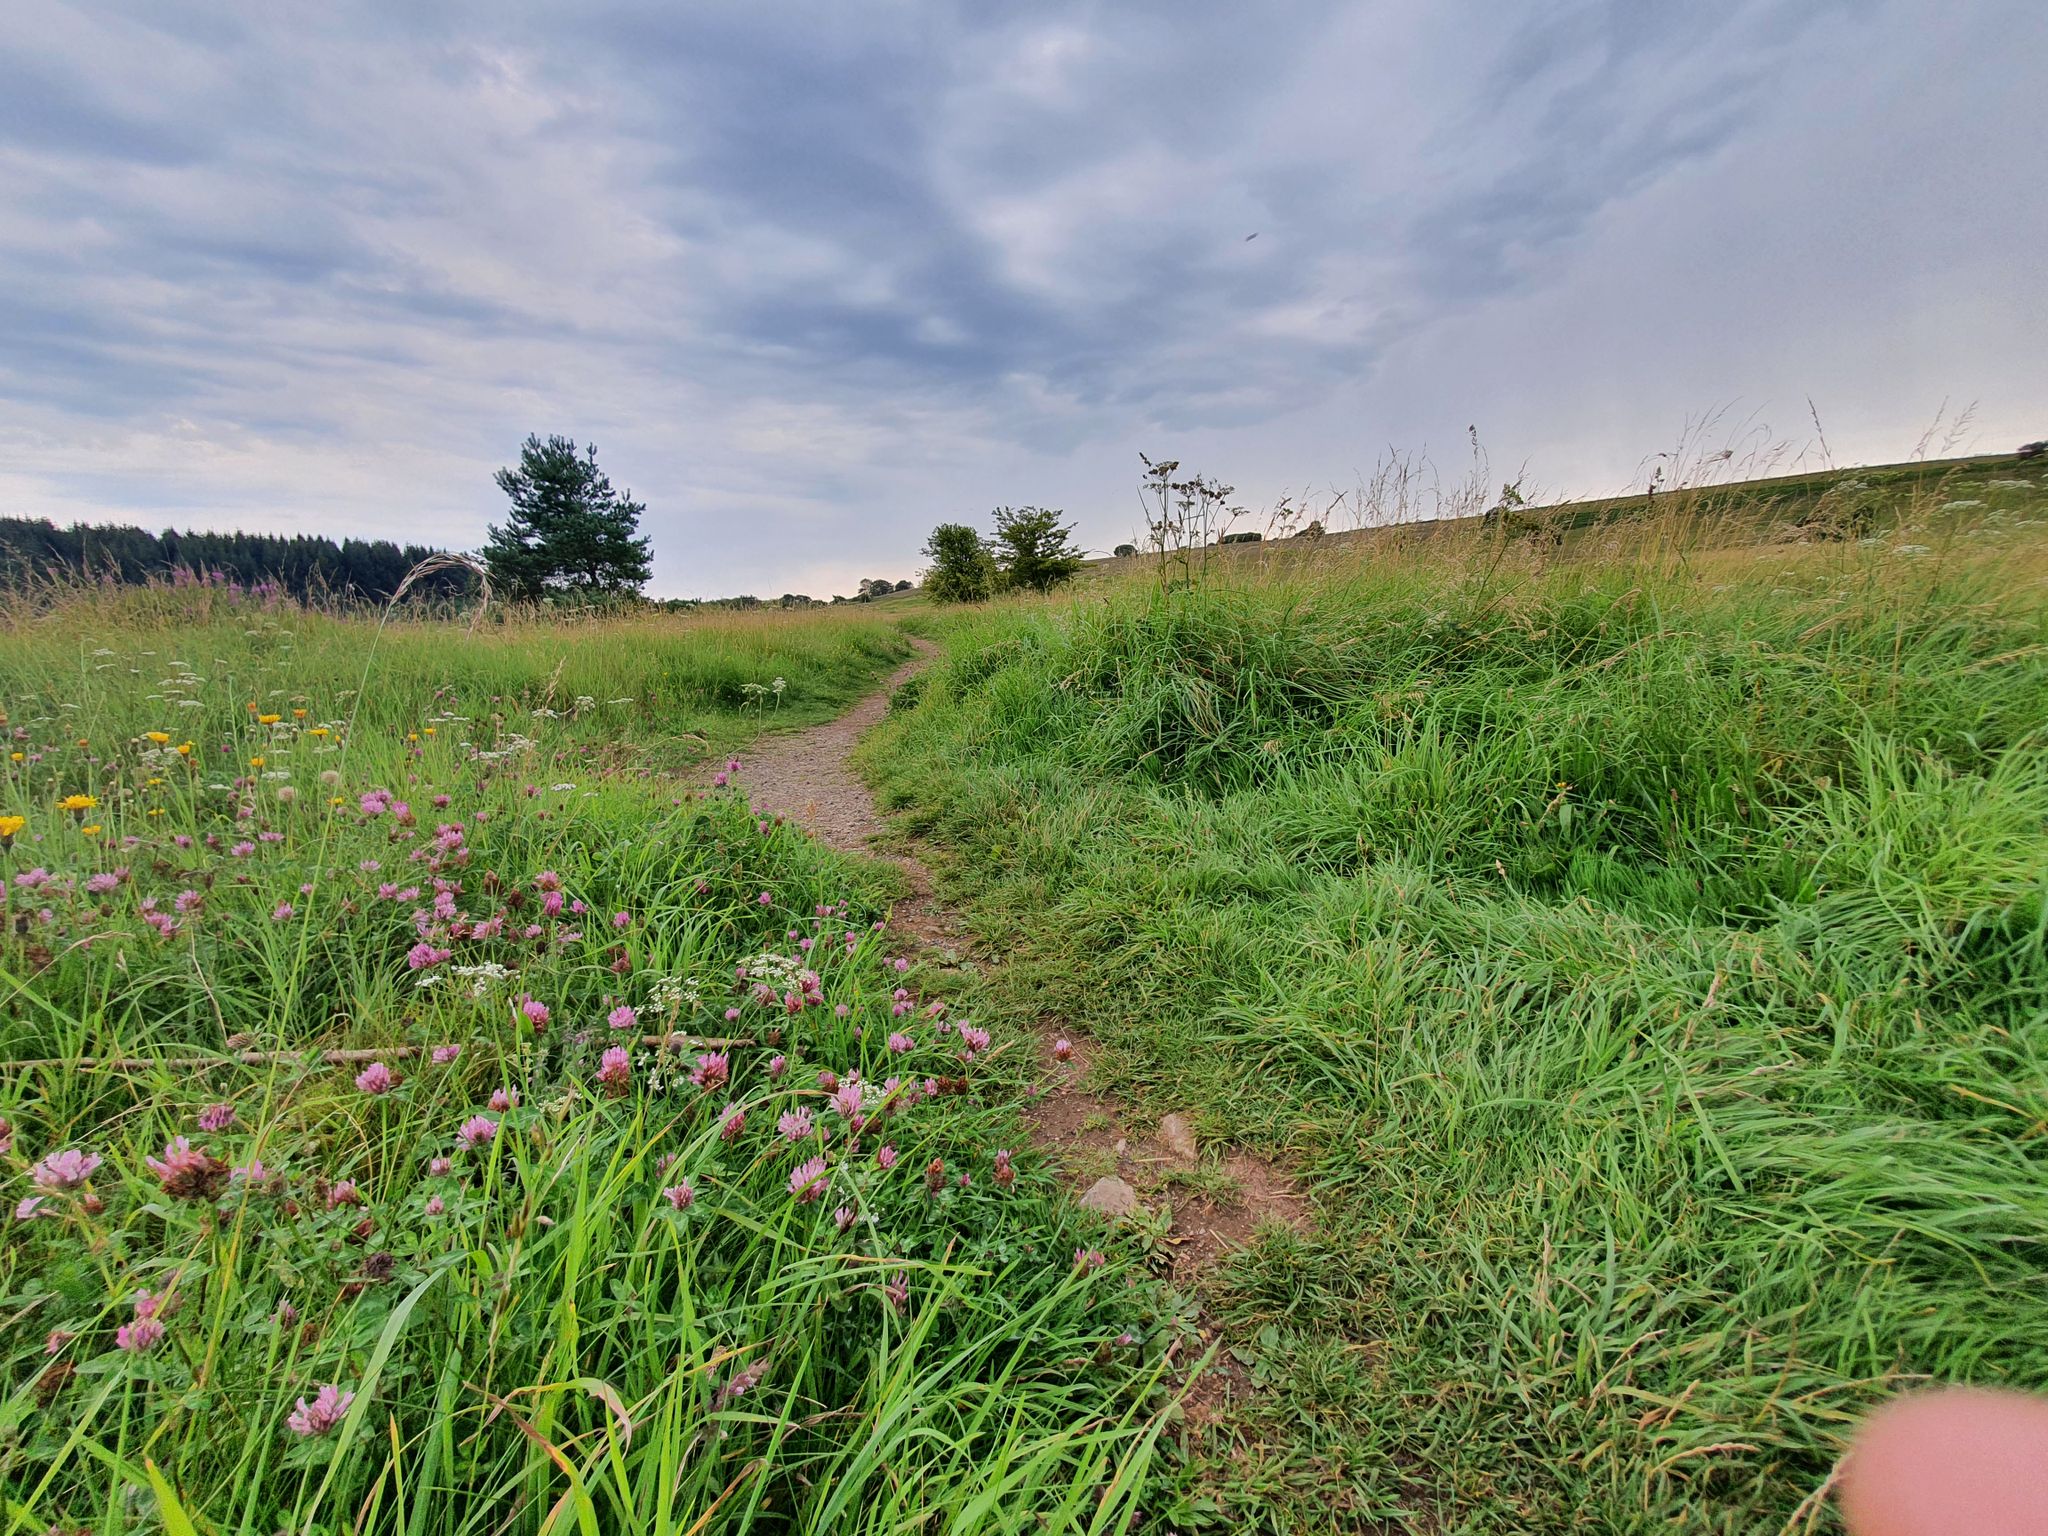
673 994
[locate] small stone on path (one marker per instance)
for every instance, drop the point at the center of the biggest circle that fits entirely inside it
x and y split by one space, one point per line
1110 1197
1178 1137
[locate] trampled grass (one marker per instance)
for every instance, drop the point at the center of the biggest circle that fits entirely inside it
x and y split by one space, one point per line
1641 957
650 1199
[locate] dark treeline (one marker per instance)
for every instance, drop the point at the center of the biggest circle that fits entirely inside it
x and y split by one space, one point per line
301 565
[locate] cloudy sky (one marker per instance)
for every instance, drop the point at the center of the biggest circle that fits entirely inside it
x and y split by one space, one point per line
814 277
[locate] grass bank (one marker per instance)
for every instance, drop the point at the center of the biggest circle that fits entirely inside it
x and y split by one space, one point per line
1641 960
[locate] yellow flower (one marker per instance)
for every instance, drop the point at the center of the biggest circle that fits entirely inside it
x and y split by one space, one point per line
91 831
318 730
9 825
154 782
159 737
78 802
156 810
412 735
184 749
17 756
337 800
298 714
430 730
255 762
268 719
83 742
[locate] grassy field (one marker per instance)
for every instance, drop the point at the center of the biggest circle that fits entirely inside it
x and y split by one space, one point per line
518 1262
435 1104
1640 955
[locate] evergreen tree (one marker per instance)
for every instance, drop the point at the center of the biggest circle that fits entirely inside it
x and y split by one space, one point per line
1034 549
569 531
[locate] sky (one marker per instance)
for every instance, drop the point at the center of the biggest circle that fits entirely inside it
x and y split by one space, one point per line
814 277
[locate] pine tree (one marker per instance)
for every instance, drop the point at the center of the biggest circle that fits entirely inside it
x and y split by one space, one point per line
569 531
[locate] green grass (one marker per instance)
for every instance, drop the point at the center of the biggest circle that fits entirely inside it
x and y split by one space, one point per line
535 1335
1641 959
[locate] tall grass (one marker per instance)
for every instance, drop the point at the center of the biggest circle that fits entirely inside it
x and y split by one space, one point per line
573 1275
1642 959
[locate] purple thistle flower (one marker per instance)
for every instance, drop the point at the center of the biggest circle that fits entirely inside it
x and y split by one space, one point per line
329 1406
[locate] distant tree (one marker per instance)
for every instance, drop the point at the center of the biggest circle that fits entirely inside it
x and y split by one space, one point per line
1034 549
870 587
1125 551
903 586
569 530
962 569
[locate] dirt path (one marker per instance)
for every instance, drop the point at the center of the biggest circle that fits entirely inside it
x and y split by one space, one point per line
1112 1162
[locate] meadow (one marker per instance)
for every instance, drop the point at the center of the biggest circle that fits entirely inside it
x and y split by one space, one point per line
435 1103
1638 953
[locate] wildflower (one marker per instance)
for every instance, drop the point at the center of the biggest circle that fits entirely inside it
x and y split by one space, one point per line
843 1217
794 1125
64 1170
741 1383
712 1070
777 1065
536 1012
615 1071
503 1099
901 964
216 1117
885 1158
186 1172
808 1181
286 795
1005 1174
443 1054
849 1100
423 954
252 1173
622 919
91 830
622 1017
140 1336
439 1167
283 912
898 1292
31 1206
899 1043
765 899
242 850
680 1195
6 1136
1063 1049
376 1078
100 884
188 901
78 803
9 825
1089 1258
477 1131
343 1192
160 738
329 1406
436 1205
935 1175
